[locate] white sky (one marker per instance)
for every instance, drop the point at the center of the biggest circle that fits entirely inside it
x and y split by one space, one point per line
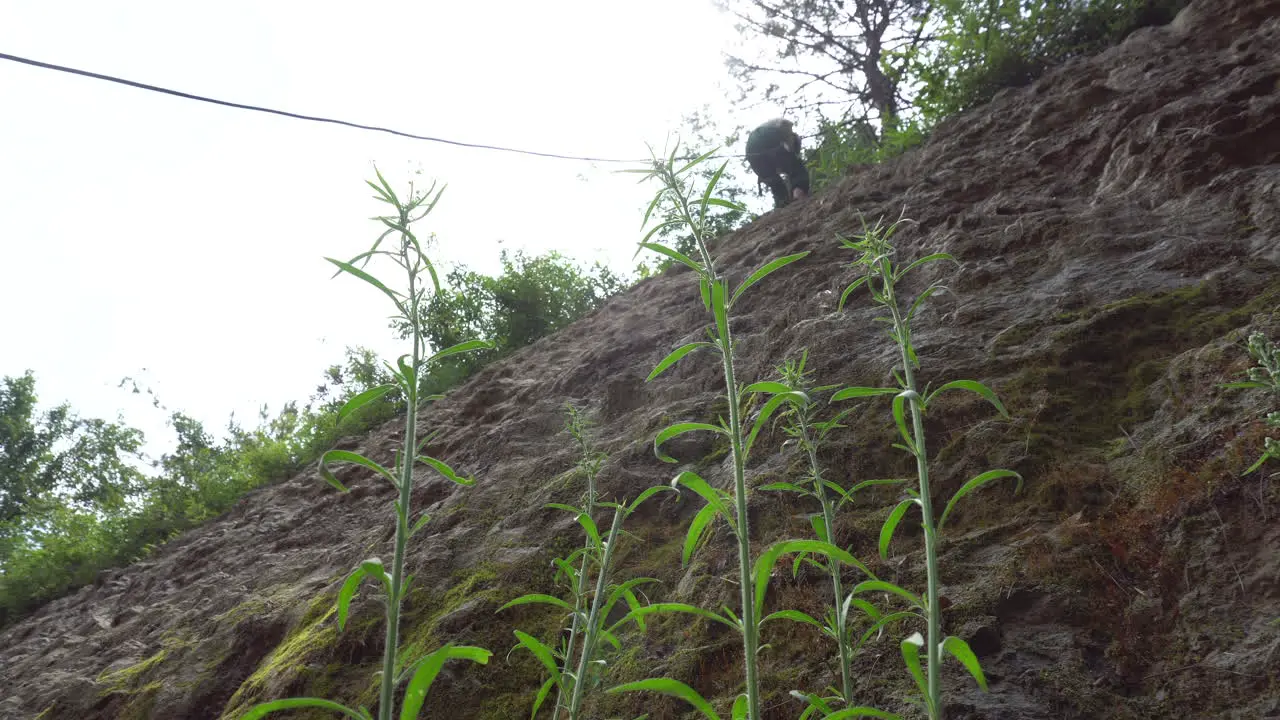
143 231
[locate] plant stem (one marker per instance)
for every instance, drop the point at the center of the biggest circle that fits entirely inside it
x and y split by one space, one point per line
593 622
407 460
833 566
578 593
750 630
933 649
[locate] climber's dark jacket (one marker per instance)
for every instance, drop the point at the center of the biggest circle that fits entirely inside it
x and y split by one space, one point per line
773 150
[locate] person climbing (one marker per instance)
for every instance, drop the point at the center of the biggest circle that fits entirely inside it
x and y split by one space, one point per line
773 150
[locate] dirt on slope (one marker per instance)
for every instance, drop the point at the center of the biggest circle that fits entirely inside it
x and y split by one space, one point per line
1118 229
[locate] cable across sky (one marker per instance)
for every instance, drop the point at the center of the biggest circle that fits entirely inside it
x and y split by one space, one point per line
297 116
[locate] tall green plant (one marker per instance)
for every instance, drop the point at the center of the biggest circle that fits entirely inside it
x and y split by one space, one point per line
881 275
569 666
799 413
686 207
422 671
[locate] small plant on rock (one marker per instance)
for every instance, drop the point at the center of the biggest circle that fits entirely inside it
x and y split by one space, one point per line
799 413
1265 375
408 373
576 666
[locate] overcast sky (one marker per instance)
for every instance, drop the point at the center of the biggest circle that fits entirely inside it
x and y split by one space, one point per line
181 242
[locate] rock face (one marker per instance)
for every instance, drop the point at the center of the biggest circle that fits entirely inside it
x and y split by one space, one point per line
1118 230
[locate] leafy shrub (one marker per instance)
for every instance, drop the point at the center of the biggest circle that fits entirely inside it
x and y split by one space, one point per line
76 499
531 298
837 147
988 45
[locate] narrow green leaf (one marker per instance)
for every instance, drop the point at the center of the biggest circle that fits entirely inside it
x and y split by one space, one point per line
645 495
976 483
387 186
671 607
674 357
462 347
972 386
784 486
653 205
861 712
900 418
819 525
711 186
541 696
793 616
764 271
915 304
540 651
352 269
891 524
880 622
857 392
844 296
766 386
880 481
346 593
882 586
590 526
422 520
363 399
697 529
625 591
264 709
428 668
675 688
673 254
921 261
766 561
374 569
771 406
680 429
911 654
727 204
537 598
442 468
720 310
816 703
695 483
962 652
1244 385
740 707
704 288
696 161
334 456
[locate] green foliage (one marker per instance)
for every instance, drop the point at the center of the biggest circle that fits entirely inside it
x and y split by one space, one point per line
82 500
1265 375
576 665
531 298
880 274
988 45
680 198
420 672
58 458
838 147
720 219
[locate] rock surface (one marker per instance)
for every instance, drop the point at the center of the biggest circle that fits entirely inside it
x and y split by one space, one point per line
1117 225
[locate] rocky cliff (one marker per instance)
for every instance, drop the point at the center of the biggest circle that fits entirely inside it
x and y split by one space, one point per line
1117 225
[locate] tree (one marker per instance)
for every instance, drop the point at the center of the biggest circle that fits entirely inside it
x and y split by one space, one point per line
531 298
850 54
56 459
